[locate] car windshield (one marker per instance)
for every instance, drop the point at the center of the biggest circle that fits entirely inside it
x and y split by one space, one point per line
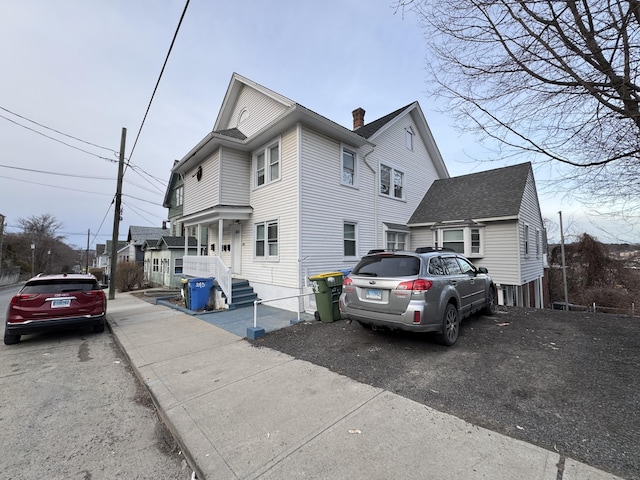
388 266
60 286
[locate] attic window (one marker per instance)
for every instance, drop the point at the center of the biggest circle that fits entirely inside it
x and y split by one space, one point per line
243 116
409 137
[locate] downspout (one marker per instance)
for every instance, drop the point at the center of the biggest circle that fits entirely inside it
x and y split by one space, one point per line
375 197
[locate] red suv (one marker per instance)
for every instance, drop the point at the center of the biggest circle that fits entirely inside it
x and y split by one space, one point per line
49 302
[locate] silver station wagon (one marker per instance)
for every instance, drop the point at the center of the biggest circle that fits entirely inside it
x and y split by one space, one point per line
426 291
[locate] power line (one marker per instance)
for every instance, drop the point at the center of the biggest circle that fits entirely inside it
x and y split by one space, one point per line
159 77
57 131
59 141
56 186
56 173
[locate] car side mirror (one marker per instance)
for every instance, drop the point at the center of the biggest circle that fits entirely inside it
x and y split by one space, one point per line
483 270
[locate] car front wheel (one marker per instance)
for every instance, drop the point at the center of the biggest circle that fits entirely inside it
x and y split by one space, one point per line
450 326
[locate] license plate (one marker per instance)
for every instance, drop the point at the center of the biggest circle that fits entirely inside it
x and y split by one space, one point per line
66 302
374 294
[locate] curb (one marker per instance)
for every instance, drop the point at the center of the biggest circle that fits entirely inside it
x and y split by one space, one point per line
159 411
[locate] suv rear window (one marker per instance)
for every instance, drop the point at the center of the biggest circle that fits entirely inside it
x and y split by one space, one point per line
60 286
388 266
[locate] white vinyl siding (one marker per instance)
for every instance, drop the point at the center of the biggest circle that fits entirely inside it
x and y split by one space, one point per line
235 174
323 195
205 193
532 266
276 201
259 111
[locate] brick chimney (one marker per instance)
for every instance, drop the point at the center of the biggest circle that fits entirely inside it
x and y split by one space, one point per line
358 118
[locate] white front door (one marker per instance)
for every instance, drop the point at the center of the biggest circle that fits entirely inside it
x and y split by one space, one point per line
236 248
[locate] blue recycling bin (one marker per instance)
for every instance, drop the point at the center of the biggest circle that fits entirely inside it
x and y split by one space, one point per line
199 290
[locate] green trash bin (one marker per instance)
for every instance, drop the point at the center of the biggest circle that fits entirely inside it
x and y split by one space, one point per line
327 288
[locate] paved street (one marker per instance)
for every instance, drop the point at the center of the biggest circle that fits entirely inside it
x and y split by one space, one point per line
70 408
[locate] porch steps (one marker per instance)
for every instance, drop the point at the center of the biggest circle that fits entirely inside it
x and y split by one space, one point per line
242 294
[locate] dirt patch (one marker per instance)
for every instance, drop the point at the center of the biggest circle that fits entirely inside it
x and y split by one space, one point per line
565 381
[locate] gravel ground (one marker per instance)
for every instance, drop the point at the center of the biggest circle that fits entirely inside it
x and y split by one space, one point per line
565 381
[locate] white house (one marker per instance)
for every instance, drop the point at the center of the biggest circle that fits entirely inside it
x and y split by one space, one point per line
163 260
277 192
493 218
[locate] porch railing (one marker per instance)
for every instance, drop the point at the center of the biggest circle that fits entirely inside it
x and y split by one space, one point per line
209 266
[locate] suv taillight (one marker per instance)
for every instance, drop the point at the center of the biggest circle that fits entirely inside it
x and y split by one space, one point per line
419 285
347 284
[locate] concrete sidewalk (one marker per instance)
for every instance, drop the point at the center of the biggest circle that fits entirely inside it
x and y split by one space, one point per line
243 412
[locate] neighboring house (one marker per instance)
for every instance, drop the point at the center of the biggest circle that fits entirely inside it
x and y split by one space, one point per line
493 218
163 260
104 255
135 240
276 192
101 260
174 201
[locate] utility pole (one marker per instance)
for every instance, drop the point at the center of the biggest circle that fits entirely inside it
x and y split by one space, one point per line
1 237
88 234
116 219
564 266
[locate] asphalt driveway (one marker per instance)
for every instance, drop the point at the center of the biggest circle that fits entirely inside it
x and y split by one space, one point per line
565 381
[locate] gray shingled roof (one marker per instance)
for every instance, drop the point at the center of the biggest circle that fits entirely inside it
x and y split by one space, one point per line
138 235
177 242
490 194
233 133
369 129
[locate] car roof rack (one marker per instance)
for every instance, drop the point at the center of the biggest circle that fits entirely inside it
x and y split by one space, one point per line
433 249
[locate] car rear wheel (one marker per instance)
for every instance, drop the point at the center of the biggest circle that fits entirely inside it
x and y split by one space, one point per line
490 308
11 339
450 326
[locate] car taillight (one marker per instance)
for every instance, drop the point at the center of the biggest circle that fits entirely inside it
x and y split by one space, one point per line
22 296
98 293
347 284
419 285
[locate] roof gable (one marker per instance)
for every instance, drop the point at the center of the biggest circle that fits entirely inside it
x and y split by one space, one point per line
373 129
494 193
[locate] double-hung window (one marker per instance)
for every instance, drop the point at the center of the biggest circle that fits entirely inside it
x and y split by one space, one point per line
350 246
179 196
526 240
267 164
391 182
177 266
349 167
156 265
396 240
266 240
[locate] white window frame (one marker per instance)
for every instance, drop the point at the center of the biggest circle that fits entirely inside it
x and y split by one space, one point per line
354 240
467 238
155 265
179 196
352 151
526 239
409 137
269 162
392 176
268 242
396 244
538 245
176 266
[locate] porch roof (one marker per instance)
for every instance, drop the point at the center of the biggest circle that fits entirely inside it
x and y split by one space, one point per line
218 212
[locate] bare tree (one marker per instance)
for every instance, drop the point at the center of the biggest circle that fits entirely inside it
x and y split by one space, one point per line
548 79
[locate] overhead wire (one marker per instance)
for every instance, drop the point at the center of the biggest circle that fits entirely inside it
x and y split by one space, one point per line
175 35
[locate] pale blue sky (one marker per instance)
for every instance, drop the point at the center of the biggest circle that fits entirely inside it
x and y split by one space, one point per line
88 69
